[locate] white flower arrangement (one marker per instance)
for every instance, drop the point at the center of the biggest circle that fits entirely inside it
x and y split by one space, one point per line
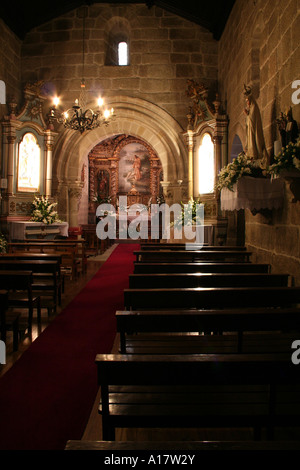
287 159
43 211
240 166
3 244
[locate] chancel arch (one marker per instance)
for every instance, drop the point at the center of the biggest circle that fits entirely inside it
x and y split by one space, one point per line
137 118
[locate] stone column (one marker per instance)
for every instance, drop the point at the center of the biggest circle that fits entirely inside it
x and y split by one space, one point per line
10 164
62 197
190 137
49 140
217 139
75 192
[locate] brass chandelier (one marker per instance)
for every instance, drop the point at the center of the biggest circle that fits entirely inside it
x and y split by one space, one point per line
78 117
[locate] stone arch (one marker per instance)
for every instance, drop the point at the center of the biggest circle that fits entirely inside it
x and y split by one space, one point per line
134 116
237 132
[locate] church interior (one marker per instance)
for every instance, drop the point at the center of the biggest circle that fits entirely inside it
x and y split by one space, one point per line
130 104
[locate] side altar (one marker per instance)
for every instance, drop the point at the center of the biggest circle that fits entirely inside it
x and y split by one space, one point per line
254 194
22 229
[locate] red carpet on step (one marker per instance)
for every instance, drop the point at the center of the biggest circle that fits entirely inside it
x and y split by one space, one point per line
47 396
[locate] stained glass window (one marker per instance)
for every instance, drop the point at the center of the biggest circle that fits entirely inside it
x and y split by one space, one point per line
29 162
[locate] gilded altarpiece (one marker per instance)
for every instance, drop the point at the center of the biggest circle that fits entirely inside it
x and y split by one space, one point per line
123 166
22 180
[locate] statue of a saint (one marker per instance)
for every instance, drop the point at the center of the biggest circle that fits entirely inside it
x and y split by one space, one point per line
288 128
255 146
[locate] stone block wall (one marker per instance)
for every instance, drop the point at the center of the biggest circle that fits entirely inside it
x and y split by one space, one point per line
260 46
10 70
10 64
276 240
165 50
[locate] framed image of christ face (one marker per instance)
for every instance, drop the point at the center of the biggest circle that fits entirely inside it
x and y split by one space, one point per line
134 168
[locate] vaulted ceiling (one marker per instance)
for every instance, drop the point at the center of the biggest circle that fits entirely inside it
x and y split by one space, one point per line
21 16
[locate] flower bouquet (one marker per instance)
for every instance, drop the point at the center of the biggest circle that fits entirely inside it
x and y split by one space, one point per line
189 214
240 166
43 211
101 199
287 160
3 244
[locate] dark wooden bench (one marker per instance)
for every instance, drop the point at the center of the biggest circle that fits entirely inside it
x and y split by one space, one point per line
182 246
141 281
68 252
26 256
183 448
46 278
134 327
198 391
20 295
9 321
211 297
79 243
140 268
192 256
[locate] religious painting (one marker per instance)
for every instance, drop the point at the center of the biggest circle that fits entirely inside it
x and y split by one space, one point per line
102 184
134 168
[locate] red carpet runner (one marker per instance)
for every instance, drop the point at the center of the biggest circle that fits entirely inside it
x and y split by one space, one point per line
47 396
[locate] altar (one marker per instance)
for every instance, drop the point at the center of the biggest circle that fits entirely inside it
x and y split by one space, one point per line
22 229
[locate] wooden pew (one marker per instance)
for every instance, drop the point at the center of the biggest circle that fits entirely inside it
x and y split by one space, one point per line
25 256
211 297
182 246
198 391
46 278
147 268
141 281
69 264
191 256
134 327
20 295
9 321
79 243
183 447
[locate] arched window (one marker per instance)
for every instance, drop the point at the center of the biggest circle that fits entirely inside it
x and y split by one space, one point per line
117 41
206 165
122 53
29 162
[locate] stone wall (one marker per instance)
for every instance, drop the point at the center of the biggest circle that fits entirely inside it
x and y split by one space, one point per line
260 46
10 64
165 50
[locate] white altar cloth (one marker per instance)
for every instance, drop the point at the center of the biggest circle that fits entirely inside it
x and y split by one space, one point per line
253 194
18 228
